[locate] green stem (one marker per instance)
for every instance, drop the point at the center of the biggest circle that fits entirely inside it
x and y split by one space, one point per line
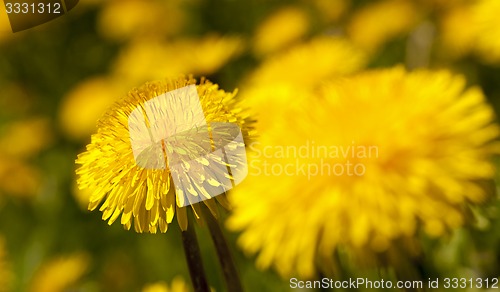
194 261
231 276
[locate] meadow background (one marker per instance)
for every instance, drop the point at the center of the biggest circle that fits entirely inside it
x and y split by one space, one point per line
57 79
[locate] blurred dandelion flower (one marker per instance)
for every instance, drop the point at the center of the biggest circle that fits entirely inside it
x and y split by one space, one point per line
433 137
292 74
281 29
473 28
437 5
376 23
308 64
25 138
146 195
330 10
178 285
261 98
18 178
147 59
6 275
85 103
457 44
20 141
60 274
123 20
209 53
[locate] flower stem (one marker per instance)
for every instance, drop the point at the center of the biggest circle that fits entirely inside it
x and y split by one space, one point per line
231 276
194 261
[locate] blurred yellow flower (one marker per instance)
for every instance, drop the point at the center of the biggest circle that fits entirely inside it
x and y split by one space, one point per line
19 141
60 274
6 275
178 285
417 144
84 104
308 64
25 138
488 24
282 98
330 10
458 44
281 29
437 5
18 178
145 196
124 19
376 23
147 59
473 28
209 53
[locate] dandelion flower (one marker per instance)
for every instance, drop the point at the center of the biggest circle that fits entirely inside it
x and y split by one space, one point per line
148 59
122 20
378 22
307 64
281 29
60 274
330 10
145 196
20 141
84 104
473 28
18 178
25 138
431 140
457 44
284 80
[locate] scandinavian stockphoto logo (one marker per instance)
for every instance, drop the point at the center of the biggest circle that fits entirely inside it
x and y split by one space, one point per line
171 131
25 14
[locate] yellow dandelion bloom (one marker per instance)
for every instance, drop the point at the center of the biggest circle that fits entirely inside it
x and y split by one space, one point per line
178 285
442 4
18 178
308 64
20 141
149 59
144 195
458 44
60 274
472 28
25 138
122 20
84 104
261 98
6 275
209 53
373 25
370 160
488 37
281 29
330 10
